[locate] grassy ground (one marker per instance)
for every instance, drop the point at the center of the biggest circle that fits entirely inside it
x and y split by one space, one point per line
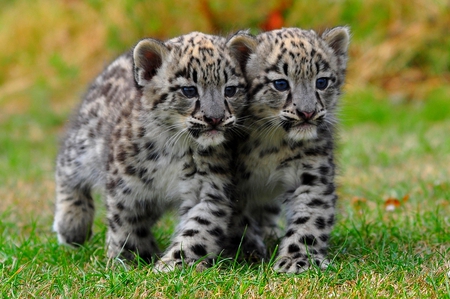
392 237
395 152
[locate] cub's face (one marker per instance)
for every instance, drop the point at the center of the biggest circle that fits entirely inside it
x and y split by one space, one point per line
193 84
295 78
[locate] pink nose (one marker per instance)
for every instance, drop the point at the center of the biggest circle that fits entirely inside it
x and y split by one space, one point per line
306 115
212 120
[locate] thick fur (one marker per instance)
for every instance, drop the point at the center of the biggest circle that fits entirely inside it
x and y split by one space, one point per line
287 158
151 135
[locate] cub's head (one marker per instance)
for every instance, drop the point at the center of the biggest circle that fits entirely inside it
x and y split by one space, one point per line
295 78
193 84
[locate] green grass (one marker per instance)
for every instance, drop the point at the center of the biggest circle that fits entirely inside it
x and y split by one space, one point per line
386 150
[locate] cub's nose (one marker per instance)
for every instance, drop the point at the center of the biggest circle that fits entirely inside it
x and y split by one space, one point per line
213 121
306 115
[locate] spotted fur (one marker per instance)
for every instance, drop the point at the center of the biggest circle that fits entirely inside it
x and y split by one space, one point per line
295 78
151 133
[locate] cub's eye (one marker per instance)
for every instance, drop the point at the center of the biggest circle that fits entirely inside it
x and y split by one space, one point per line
189 91
230 91
322 83
281 85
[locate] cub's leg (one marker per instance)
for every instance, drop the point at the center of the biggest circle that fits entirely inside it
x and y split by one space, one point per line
74 209
267 218
246 238
201 232
129 226
310 218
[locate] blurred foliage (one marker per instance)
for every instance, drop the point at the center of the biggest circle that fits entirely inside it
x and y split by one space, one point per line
399 48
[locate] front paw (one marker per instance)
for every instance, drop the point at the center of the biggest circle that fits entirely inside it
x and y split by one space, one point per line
167 264
299 263
254 251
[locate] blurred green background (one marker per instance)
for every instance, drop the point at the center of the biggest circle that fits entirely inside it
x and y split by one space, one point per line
399 49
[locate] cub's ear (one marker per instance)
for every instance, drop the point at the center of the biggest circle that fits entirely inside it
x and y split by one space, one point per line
148 55
242 44
338 39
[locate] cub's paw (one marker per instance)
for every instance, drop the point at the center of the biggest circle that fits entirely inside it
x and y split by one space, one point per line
254 251
299 264
168 265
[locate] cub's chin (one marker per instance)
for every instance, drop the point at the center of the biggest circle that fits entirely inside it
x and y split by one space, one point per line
303 131
208 138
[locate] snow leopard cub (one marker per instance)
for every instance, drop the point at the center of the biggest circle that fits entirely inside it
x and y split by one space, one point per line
151 133
295 78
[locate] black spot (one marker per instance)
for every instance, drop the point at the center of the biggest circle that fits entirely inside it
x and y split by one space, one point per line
199 249
298 255
282 263
269 151
178 254
324 238
214 197
219 213
184 210
315 202
330 220
117 220
317 151
141 172
130 170
190 174
285 69
323 251
301 264
194 76
308 179
330 189
320 223
307 166
202 220
190 233
301 220
120 206
289 233
149 145
324 169
217 169
112 225
293 248
217 232
334 199
126 191
152 156
257 88
308 240
77 203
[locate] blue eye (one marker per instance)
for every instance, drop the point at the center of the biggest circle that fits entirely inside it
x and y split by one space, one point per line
230 91
281 85
189 91
322 83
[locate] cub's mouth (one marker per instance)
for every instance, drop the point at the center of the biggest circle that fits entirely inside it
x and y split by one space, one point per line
304 130
210 136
